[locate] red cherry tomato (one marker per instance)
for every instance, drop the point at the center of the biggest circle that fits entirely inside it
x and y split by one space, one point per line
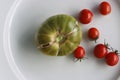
85 16
112 58
93 33
100 51
79 53
105 8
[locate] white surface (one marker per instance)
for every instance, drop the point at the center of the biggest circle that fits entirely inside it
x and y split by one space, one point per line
26 61
5 71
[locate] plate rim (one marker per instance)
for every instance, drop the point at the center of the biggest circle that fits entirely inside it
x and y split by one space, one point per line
6 35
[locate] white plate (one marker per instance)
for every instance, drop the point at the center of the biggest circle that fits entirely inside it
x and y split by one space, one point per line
28 63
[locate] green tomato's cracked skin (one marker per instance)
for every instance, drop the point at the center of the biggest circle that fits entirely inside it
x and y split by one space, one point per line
55 29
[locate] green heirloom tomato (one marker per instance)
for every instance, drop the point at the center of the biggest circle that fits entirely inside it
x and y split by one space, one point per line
59 35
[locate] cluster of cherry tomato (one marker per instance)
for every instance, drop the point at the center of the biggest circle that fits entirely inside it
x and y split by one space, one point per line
100 50
86 15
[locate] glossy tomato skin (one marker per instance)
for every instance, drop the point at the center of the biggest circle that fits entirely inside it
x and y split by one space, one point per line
100 51
93 33
79 53
85 16
112 59
105 8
